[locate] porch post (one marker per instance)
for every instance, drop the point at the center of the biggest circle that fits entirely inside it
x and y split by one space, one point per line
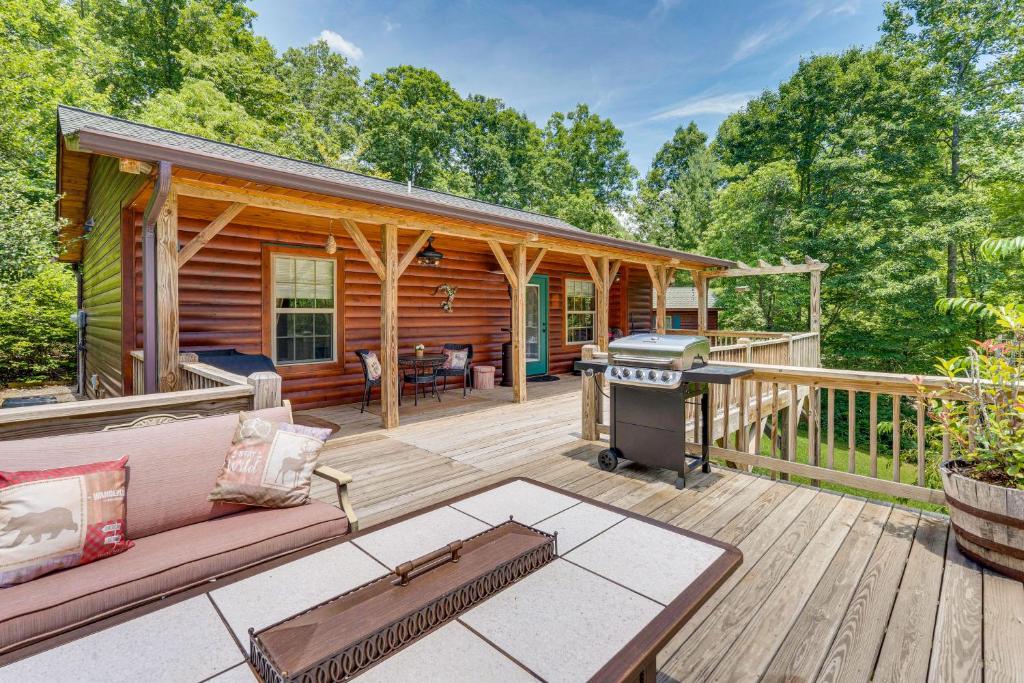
815 310
700 285
519 323
389 326
601 314
167 293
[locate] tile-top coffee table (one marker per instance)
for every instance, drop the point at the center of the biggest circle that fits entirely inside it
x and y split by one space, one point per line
621 587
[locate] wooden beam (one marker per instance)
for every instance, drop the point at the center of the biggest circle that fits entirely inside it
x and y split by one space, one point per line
499 254
134 166
791 269
601 303
188 187
414 249
519 324
532 269
167 293
614 271
389 327
592 269
658 282
364 246
209 232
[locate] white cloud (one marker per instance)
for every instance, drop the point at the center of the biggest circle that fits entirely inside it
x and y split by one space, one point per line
337 43
771 34
752 43
724 103
848 8
389 25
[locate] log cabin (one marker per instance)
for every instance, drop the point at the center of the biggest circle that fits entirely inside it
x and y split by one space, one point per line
185 244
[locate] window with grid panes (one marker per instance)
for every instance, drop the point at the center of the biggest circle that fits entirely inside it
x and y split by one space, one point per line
304 309
579 311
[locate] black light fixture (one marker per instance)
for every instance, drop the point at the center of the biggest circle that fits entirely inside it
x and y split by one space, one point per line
88 226
429 256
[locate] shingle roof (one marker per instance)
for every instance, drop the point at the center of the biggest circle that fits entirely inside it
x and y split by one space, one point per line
683 298
73 119
105 134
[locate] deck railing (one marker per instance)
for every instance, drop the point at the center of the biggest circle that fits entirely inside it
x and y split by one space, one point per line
768 348
803 421
205 390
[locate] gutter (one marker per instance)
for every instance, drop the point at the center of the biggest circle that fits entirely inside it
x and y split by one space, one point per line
99 142
150 342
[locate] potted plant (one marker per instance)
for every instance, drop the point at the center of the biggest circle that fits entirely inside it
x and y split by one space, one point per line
419 350
981 413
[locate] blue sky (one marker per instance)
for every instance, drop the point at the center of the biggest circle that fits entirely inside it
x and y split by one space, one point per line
649 65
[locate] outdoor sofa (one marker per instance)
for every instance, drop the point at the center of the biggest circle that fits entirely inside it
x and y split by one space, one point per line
181 538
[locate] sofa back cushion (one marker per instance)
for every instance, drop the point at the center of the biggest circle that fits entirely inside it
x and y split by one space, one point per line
171 467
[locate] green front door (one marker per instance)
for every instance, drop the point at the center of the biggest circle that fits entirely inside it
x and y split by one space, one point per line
537 325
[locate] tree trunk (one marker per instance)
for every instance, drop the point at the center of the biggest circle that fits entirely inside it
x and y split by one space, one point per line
954 176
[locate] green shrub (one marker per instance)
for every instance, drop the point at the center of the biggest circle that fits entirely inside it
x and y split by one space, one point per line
37 336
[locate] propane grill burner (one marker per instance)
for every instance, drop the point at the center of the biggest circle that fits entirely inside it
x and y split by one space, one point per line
651 376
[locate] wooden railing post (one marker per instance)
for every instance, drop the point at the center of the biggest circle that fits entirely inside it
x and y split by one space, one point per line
266 390
591 402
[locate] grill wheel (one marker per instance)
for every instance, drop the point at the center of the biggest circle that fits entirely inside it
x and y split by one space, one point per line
608 459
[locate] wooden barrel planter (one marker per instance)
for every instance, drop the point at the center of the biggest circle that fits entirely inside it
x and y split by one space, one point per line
988 520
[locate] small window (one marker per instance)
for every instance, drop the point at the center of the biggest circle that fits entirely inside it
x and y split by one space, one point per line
304 310
579 311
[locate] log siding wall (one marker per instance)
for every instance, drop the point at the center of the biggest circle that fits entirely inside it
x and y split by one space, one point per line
109 192
221 302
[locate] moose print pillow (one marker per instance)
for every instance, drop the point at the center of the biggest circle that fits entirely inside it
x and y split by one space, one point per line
54 519
269 464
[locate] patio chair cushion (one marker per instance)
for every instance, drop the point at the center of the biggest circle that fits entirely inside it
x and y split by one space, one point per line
160 564
60 518
455 359
171 467
270 464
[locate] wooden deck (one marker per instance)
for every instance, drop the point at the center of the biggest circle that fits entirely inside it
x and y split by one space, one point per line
832 587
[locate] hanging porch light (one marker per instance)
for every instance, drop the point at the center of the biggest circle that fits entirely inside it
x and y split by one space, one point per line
428 256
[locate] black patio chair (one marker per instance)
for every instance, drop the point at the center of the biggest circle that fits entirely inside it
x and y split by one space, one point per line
368 384
464 372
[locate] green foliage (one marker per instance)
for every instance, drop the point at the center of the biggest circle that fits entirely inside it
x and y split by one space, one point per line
27 230
37 337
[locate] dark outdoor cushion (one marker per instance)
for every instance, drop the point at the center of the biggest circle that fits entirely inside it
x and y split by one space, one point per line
158 565
234 361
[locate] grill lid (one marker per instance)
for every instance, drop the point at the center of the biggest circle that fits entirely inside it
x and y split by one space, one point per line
655 360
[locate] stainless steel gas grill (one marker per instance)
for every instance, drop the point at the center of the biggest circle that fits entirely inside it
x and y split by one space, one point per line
656 380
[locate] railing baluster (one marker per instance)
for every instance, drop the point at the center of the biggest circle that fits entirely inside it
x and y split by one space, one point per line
851 438
758 387
831 428
920 442
775 422
794 422
741 430
873 435
895 437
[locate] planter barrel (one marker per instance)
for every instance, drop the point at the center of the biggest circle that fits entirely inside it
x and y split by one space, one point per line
988 521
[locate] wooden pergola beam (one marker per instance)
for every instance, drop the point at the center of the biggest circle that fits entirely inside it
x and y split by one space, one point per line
535 263
389 326
519 324
414 249
209 232
167 293
506 267
364 246
787 268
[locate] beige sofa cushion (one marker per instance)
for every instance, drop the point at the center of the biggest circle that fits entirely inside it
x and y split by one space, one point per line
160 564
171 467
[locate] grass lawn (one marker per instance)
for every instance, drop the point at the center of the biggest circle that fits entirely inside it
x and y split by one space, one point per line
908 470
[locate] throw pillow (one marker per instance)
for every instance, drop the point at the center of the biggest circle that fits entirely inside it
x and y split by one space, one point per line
455 360
59 518
269 464
373 368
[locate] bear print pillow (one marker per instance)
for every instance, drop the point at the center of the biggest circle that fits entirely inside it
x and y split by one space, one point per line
59 518
270 464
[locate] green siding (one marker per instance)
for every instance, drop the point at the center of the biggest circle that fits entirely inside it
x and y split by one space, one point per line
109 190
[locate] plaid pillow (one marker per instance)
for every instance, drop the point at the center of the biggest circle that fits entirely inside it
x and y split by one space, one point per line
373 369
59 518
269 464
455 360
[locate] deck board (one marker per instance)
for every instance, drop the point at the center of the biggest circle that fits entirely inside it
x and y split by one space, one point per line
831 587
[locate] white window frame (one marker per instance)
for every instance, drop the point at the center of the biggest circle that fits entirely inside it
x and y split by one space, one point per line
592 312
333 311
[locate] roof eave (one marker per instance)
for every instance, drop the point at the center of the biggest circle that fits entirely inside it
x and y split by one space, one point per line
100 142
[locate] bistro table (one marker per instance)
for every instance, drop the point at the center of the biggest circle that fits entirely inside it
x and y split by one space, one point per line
423 372
621 587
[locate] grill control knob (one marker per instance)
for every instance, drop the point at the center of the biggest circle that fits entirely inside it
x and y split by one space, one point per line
626 373
614 372
651 375
665 376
